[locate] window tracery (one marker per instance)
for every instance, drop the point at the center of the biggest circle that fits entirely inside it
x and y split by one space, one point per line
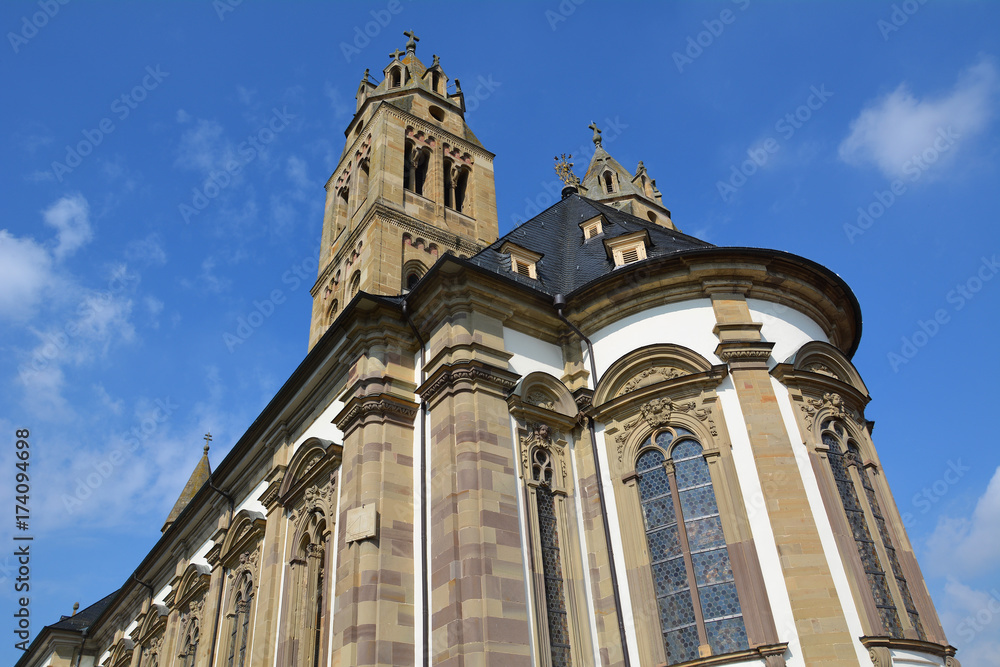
692 576
875 545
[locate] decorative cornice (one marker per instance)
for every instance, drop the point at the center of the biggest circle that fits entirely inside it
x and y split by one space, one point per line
473 372
880 646
745 354
386 406
772 654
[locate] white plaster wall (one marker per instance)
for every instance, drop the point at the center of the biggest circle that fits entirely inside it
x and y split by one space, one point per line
162 595
323 427
688 323
908 658
251 502
788 329
827 539
760 522
531 354
199 556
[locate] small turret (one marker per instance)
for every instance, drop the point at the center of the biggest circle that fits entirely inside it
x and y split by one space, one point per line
608 182
202 471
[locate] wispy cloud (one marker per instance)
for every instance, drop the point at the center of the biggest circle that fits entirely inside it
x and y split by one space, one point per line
70 216
25 274
969 544
893 129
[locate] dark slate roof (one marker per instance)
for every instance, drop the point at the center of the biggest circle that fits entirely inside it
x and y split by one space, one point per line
568 261
82 620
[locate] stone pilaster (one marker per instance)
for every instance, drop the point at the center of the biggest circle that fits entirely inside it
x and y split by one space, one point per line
478 610
819 616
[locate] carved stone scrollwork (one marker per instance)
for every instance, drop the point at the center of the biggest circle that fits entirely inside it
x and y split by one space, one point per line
823 369
657 413
952 661
881 656
705 415
658 373
315 550
248 563
541 399
835 403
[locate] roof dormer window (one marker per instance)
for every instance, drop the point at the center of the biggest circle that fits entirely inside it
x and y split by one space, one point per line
627 249
395 77
522 261
592 228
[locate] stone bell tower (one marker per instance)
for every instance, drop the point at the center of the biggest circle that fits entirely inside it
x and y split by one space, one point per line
413 183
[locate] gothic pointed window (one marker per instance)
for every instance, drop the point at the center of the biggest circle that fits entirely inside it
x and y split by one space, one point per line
883 571
548 530
689 560
239 628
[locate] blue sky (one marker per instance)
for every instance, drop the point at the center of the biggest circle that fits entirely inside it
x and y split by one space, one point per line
860 135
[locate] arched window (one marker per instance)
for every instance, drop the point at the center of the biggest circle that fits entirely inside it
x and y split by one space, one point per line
190 650
415 164
552 569
609 182
355 284
395 77
307 579
875 547
461 186
342 208
363 182
331 313
692 576
239 615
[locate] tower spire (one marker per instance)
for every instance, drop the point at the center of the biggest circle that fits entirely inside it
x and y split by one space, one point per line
202 471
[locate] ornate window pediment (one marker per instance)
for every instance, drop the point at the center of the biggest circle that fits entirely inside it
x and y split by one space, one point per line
652 365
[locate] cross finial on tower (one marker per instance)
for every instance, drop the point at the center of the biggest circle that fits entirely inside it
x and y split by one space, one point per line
208 439
411 45
437 61
396 54
597 133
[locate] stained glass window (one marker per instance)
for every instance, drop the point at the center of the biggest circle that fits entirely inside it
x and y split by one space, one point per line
241 623
874 572
698 576
555 595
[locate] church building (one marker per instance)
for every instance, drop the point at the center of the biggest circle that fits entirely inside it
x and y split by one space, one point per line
595 440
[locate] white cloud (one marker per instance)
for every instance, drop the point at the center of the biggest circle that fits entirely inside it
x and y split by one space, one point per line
148 250
296 172
70 218
969 544
890 131
204 147
183 116
25 273
971 620
342 107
